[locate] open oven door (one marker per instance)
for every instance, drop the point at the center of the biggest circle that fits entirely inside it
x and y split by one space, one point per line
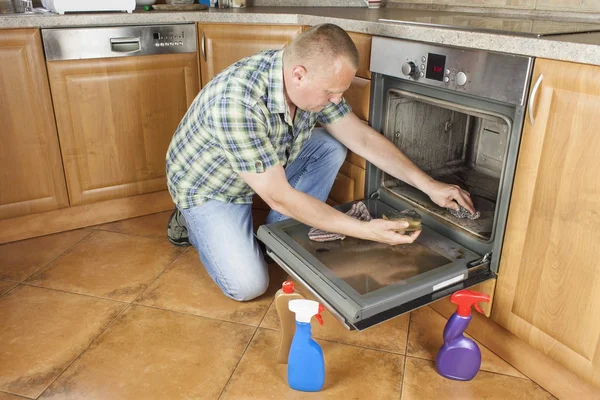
363 283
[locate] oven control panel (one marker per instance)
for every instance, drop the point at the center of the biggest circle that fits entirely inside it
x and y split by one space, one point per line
497 76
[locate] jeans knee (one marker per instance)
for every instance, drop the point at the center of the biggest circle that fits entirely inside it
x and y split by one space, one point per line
249 288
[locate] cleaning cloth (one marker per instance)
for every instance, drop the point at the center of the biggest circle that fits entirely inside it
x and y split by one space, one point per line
464 213
359 211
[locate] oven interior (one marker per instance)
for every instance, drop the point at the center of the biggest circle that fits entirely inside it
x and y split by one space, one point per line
453 144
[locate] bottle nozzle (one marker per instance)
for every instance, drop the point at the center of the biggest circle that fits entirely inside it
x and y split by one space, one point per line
467 298
306 309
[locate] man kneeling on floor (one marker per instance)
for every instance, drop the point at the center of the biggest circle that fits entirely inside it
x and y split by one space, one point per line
250 130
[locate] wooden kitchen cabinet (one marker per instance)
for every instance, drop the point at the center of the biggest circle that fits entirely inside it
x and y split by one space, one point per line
349 184
363 45
358 96
221 45
548 288
32 178
115 119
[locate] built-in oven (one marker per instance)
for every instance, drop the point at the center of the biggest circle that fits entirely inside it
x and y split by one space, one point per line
457 114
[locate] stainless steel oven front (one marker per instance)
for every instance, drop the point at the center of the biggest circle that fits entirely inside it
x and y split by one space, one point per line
457 114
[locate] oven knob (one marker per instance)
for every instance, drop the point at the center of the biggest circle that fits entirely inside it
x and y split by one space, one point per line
461 78
409 68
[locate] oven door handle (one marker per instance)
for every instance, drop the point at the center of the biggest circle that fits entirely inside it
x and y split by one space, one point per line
532 98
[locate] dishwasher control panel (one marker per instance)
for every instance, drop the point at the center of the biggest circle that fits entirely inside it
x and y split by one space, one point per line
86 43
171 37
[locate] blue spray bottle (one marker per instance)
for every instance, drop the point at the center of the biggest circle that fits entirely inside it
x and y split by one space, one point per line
306 366
460 357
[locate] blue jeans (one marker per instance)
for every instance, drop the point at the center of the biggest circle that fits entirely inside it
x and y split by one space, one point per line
222 232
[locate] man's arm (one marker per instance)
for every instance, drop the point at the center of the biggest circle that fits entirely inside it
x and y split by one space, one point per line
273 187
370 144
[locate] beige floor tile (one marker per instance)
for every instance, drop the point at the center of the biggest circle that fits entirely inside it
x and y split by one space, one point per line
389 336
6 286
154 225
20 259
110 265
156 354
7 396
422 382
425 339
186 286
350 373
42 331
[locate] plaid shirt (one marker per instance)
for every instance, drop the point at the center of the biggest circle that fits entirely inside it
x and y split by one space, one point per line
240 122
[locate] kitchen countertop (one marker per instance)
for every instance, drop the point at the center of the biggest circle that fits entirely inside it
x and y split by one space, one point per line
483 32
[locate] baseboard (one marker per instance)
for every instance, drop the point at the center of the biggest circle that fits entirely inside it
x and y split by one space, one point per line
540 368
65 219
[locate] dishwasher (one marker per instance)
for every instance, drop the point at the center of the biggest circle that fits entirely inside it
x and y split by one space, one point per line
118 95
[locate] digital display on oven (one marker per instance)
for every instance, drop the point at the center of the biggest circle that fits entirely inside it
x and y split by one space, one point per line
436 64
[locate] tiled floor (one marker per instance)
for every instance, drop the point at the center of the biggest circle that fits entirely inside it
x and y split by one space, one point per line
117 312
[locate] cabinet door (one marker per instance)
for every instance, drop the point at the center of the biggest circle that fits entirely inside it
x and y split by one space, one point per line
116 117
548 289
224 44
31 171
358 96
363 45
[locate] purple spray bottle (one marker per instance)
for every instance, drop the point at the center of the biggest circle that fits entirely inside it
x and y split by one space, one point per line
460 358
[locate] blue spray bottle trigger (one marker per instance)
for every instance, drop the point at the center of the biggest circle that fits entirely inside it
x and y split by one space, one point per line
306 365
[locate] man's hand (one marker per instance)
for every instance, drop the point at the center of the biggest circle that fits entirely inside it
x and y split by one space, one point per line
274 188
386 231
447 196
370 144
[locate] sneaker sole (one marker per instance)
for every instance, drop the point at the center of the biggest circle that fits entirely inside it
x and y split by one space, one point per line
180 242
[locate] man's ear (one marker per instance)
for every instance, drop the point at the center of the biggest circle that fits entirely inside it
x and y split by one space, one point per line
298 74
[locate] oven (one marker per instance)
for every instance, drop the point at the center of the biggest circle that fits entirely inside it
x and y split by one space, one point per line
456 113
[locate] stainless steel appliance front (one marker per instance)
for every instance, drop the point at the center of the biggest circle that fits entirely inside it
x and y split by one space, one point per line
458 115
122 41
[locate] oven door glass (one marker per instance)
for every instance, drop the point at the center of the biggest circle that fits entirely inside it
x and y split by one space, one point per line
364 283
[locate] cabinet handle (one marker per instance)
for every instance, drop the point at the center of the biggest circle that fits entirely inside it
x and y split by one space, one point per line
532 98
203 48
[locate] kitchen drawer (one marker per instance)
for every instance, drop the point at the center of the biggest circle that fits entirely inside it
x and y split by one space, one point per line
363 283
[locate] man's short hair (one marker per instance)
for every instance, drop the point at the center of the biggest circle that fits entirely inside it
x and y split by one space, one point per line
322 43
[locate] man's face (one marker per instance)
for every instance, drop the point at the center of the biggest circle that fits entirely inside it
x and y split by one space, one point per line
314 90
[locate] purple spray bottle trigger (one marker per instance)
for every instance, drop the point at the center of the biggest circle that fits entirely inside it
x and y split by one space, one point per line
459 357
